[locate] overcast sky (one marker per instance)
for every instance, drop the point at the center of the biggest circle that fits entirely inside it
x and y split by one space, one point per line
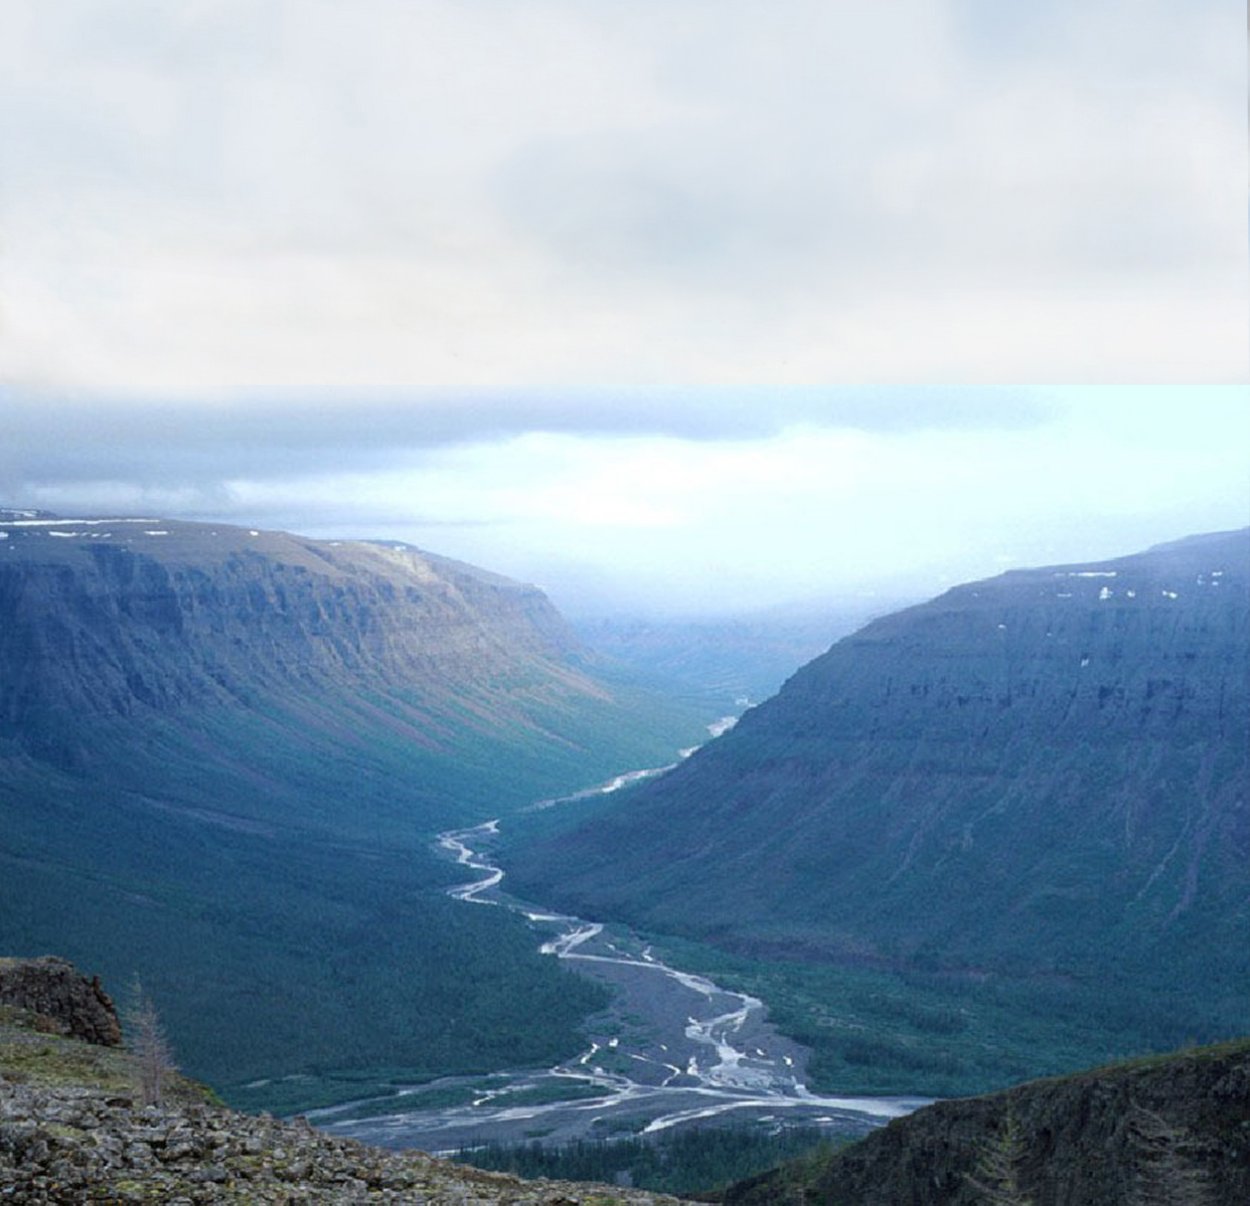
674 305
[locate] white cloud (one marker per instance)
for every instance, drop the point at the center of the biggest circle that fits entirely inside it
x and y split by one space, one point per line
930 496
214 197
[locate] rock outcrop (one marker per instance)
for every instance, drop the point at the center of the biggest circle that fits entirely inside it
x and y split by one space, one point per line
1170 1129
62 999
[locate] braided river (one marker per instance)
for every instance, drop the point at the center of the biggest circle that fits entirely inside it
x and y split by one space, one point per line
673 1050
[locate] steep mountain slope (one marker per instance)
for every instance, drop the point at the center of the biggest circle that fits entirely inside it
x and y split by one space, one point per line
223 755
1171 1129
1043 775
106 621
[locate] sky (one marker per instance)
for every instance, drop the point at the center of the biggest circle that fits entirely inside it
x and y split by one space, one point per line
678 306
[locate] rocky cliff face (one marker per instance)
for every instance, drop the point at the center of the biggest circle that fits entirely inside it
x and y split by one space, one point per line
118 635
60 999
1173 1129
1043 774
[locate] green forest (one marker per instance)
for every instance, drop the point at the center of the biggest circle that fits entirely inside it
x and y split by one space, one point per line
689 1162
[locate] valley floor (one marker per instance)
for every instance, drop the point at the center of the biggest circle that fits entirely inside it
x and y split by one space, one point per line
673 1050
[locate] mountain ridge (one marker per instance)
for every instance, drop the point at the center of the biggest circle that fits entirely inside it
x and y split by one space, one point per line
1040 775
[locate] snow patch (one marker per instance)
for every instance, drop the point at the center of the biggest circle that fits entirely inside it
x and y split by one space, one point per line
70 535
60 523
155 532
1169 594
1084 661
1132 594
1091 573
1105 594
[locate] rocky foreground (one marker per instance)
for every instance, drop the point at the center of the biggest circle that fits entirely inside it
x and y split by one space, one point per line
74 1126
73 1144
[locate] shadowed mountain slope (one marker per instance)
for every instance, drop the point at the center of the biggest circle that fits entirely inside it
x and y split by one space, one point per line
1043 775
1169 1129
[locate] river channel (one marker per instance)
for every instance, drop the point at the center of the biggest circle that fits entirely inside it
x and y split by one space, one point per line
673 1050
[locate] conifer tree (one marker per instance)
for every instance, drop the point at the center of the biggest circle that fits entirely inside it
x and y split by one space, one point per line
997 1175
147 1041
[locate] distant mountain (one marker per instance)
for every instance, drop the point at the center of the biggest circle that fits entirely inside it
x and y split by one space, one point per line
1041 776
734 659
224 753
1168 1129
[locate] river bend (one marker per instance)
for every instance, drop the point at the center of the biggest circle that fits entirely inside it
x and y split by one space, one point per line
674 1049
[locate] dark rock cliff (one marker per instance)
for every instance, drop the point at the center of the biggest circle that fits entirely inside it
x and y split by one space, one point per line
1172 1129
61 998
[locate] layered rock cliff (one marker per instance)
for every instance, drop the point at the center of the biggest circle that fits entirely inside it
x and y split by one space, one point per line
112 617
60 1000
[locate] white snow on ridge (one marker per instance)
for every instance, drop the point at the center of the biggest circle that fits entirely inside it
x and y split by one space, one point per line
155 532
61 523
1086 574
